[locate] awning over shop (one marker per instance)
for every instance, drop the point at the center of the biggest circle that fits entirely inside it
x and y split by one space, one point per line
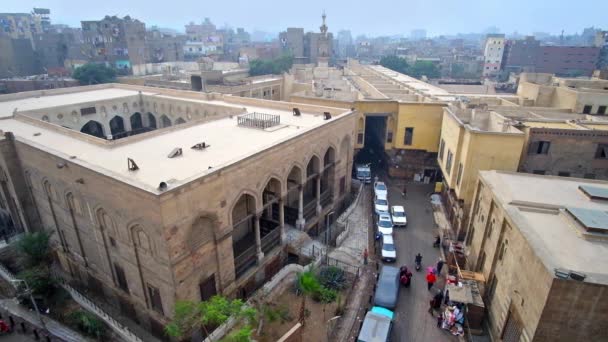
461 294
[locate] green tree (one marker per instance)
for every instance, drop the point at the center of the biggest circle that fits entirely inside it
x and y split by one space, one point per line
278 65
93 73
308 285
424 68
87 322
34 249
395 63
189 315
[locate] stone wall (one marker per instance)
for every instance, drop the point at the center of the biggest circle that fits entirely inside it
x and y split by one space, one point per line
574 311
572 151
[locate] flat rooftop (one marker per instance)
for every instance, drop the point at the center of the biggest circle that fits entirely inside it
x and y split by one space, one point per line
504 119
540 208
60 100
415 84
228 142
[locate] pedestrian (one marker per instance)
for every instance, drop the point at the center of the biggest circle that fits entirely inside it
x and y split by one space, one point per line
365 255
438 298
404 190
430 279
432 306
439 266
439 320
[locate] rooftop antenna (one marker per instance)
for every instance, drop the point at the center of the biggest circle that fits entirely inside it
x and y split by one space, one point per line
561 38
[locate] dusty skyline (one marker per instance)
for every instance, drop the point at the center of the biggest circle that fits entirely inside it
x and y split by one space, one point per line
381 17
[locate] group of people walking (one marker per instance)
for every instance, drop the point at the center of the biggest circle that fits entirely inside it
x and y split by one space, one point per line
432 273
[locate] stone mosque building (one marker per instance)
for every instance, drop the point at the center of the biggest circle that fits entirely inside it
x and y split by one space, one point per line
154 195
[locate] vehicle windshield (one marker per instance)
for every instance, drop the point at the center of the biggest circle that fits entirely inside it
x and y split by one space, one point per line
380 187
364 173
381 202
385 224
388 247
398 214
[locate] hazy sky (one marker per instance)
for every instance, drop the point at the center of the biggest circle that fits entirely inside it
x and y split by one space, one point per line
372 17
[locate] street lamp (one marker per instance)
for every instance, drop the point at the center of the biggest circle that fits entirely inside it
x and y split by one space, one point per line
328 226
29 292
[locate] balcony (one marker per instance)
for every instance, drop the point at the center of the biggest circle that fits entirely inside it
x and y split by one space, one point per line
270 232
327 198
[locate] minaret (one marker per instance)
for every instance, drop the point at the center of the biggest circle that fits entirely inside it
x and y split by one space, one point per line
323 47
323 27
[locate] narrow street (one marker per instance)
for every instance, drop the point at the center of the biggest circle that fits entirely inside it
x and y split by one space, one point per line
413 322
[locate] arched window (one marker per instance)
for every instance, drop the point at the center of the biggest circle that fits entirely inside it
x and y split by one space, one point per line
141 239
74 203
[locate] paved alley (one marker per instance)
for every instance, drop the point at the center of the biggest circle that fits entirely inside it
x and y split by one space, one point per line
413 322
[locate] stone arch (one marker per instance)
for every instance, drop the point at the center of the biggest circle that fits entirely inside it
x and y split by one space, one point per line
239 196
93 128
136 121
279 179
151 120
28 178
180 121
328 175
329 156
242 218
141 239
117 125
202 231
271 198
293 182
105 222
345 149
295 176
48 189
313 166
165 121
73 202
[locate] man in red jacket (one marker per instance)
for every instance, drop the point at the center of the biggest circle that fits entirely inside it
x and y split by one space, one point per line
430 280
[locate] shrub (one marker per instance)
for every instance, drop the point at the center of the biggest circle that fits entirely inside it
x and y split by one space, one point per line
332 277
86 322
241 335
39 280
34 249
325 295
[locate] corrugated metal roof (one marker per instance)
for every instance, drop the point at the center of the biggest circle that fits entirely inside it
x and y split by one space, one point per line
590 218
594 192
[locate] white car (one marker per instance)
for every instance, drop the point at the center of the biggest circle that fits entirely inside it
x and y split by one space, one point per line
389 254
380 205
398 216
380 189
385 225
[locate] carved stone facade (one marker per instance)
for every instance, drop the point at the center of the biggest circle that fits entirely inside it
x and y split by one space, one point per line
222 232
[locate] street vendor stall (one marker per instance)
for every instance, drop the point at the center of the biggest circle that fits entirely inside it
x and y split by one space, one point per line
454 315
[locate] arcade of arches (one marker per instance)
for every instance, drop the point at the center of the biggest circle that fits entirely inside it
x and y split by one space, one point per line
300 200
120 127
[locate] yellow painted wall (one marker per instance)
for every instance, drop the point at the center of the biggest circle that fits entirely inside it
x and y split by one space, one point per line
426 120
363 107
452 133
486 151
598 127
